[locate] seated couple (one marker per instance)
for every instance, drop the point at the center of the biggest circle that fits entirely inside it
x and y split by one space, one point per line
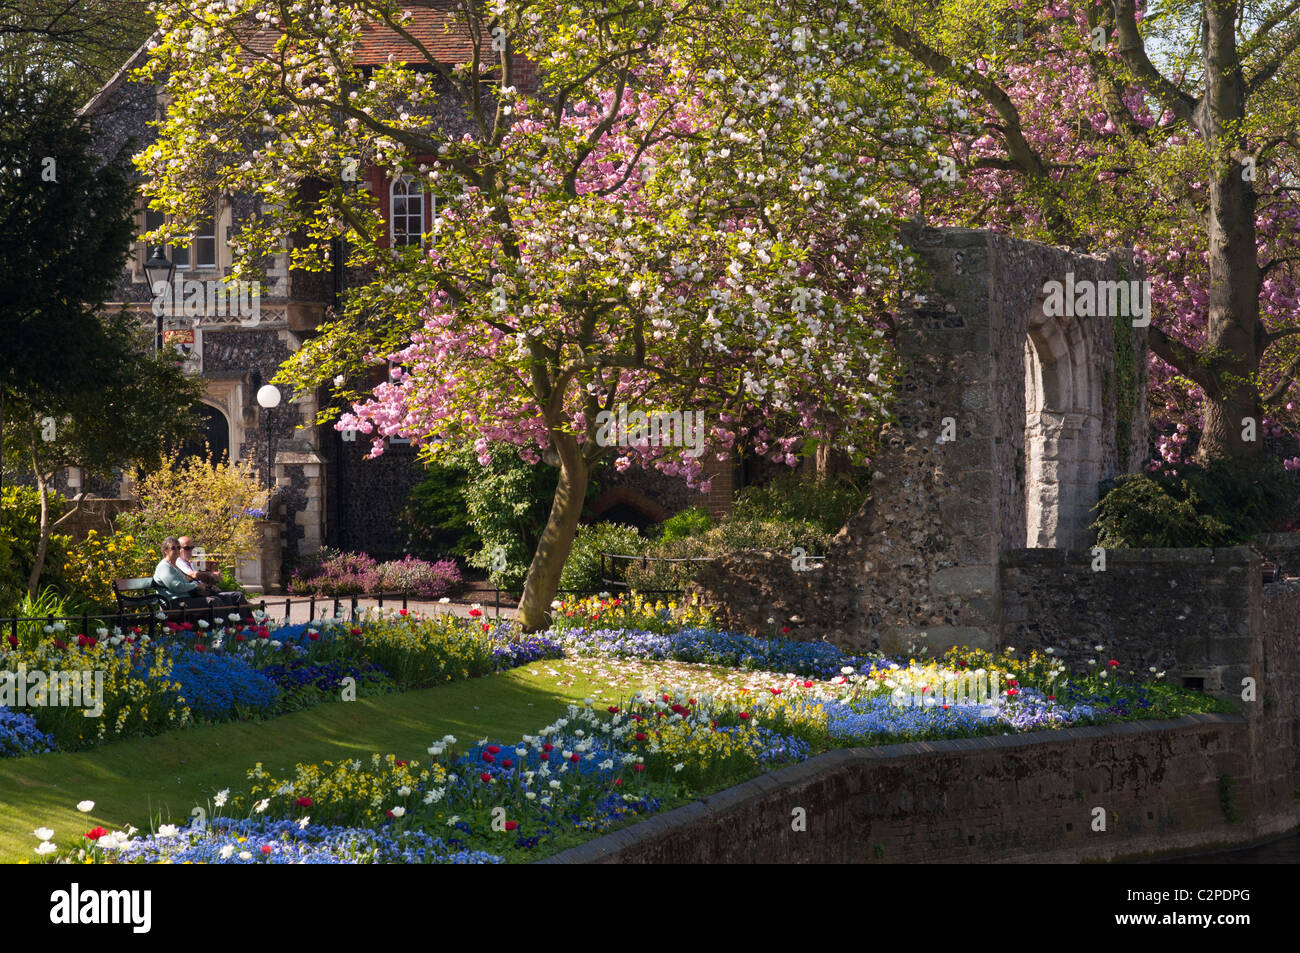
186 586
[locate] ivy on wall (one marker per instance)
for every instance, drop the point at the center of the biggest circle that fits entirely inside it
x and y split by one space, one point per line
1125 388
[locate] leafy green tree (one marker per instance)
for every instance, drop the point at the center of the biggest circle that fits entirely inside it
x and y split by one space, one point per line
78 386
138 403
81 42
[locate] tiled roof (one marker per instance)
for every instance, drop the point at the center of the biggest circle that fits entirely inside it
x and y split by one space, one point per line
431 25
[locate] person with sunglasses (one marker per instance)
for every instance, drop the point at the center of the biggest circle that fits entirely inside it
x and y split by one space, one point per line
183 564
186 588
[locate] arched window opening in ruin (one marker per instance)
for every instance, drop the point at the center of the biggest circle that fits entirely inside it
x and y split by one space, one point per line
1062 463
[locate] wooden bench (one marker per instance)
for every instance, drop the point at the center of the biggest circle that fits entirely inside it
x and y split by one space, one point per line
135 595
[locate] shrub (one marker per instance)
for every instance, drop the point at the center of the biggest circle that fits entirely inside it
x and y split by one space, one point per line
729 536
1219 505
336 574
508 502
20 531
791 498
435 519
427 580
688 523
213 502
582 570
94 562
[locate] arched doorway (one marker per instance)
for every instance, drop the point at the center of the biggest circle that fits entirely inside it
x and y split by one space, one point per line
213 441
1062 430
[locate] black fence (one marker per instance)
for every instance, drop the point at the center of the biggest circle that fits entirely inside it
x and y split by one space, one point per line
153 620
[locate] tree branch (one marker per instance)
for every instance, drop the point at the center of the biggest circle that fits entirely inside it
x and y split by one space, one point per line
1178 356
1134 53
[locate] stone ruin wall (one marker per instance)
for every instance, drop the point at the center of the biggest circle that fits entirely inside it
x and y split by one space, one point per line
920 563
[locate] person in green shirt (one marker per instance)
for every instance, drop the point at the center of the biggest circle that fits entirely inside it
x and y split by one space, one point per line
185 590
169 578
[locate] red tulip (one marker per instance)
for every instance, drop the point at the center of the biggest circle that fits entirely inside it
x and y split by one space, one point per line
313 636
575 757
545 756
1013 691
488 757
12 640
507 763
266 848
613 709
402 612
356 631
638 768
511 825
475 613
618 782
492 749
485 777
1114 664
640 736
96 833
744 715
785 630
776 691
807 684
303 802
548 747
389 813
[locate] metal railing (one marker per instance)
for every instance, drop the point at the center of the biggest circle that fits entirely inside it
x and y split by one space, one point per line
147 618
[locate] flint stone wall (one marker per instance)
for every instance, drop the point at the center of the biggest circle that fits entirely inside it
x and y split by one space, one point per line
921 559
1199 783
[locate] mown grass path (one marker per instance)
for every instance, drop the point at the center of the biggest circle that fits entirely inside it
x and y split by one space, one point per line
163 778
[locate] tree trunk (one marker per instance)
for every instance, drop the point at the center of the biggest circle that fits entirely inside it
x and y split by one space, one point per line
1231 406
556 541
38 563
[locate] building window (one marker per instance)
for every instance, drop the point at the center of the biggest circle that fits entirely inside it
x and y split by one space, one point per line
199 252
406 212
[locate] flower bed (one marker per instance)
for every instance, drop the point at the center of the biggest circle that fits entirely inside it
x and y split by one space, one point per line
693 710
603 765
198 672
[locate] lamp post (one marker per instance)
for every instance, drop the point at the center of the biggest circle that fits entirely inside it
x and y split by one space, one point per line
268 397
158 269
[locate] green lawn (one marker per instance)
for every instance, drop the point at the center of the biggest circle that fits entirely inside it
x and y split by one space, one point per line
135 781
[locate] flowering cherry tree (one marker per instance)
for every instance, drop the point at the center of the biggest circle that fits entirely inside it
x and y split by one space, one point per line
686 216
1194 164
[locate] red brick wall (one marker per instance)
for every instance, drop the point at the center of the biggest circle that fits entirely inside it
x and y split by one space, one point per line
722 489
525 73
